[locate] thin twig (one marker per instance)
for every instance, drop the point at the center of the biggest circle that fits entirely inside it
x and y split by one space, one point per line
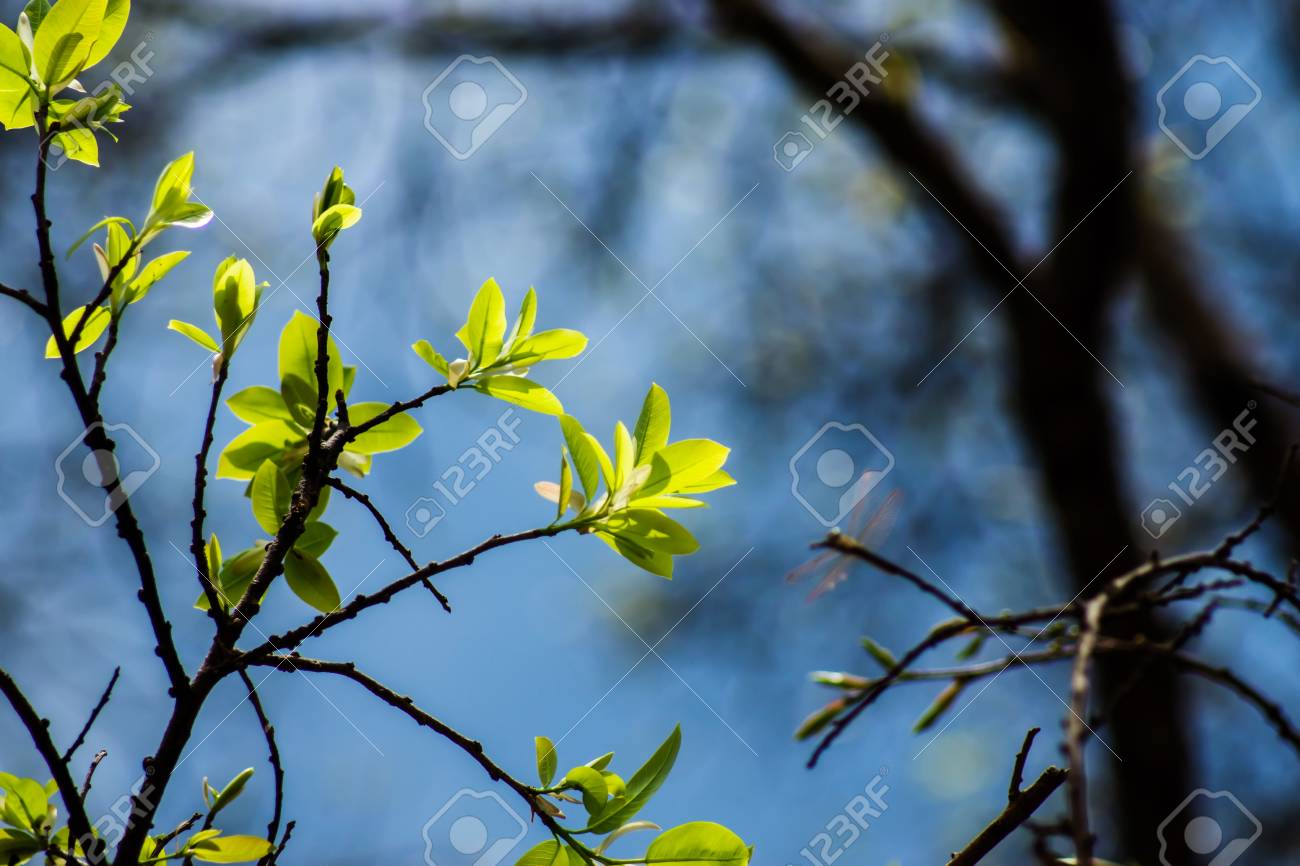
1016 813
273 756
94 714
1018 769
389 535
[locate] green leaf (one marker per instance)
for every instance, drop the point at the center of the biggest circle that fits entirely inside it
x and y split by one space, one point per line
195 333
624 455
940 706
653 531
229 849
270 494
106 221
397 432
235 296
25 802
298 361
16 95
633 551
36 10
524 322
546 759
521 392
172 187
316 539
17 847
334 220
213 556
566 488
550 853
110 30
699 843
585 461
713 481
233 789
642 786
79 145
90 332
153 272
430 356
551 345
550 491
592 785
653 423
485 329
629 827
311 582
883 657
62 47
257 404
246 452
675 467
236 574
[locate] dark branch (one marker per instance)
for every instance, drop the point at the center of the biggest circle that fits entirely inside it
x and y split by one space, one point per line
94 714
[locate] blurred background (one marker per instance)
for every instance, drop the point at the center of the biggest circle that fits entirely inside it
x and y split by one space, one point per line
630 161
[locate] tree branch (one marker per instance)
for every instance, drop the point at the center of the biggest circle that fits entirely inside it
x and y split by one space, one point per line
94 714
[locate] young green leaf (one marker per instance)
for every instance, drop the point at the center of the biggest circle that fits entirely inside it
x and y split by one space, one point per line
566 488
629 827
699 843
194 332
233 789
592 785
631 549
940 706
653 531
63 45
430 356
674 467
546 760
652 425
550 345
311 582
152 273
213 556
95 325
521 392
585 461
316 538
246 452
227 849
523 326
257 404
333 220
484 331
397 432
642 786
297 356
270 494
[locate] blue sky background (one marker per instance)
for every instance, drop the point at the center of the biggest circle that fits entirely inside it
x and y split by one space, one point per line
787 300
